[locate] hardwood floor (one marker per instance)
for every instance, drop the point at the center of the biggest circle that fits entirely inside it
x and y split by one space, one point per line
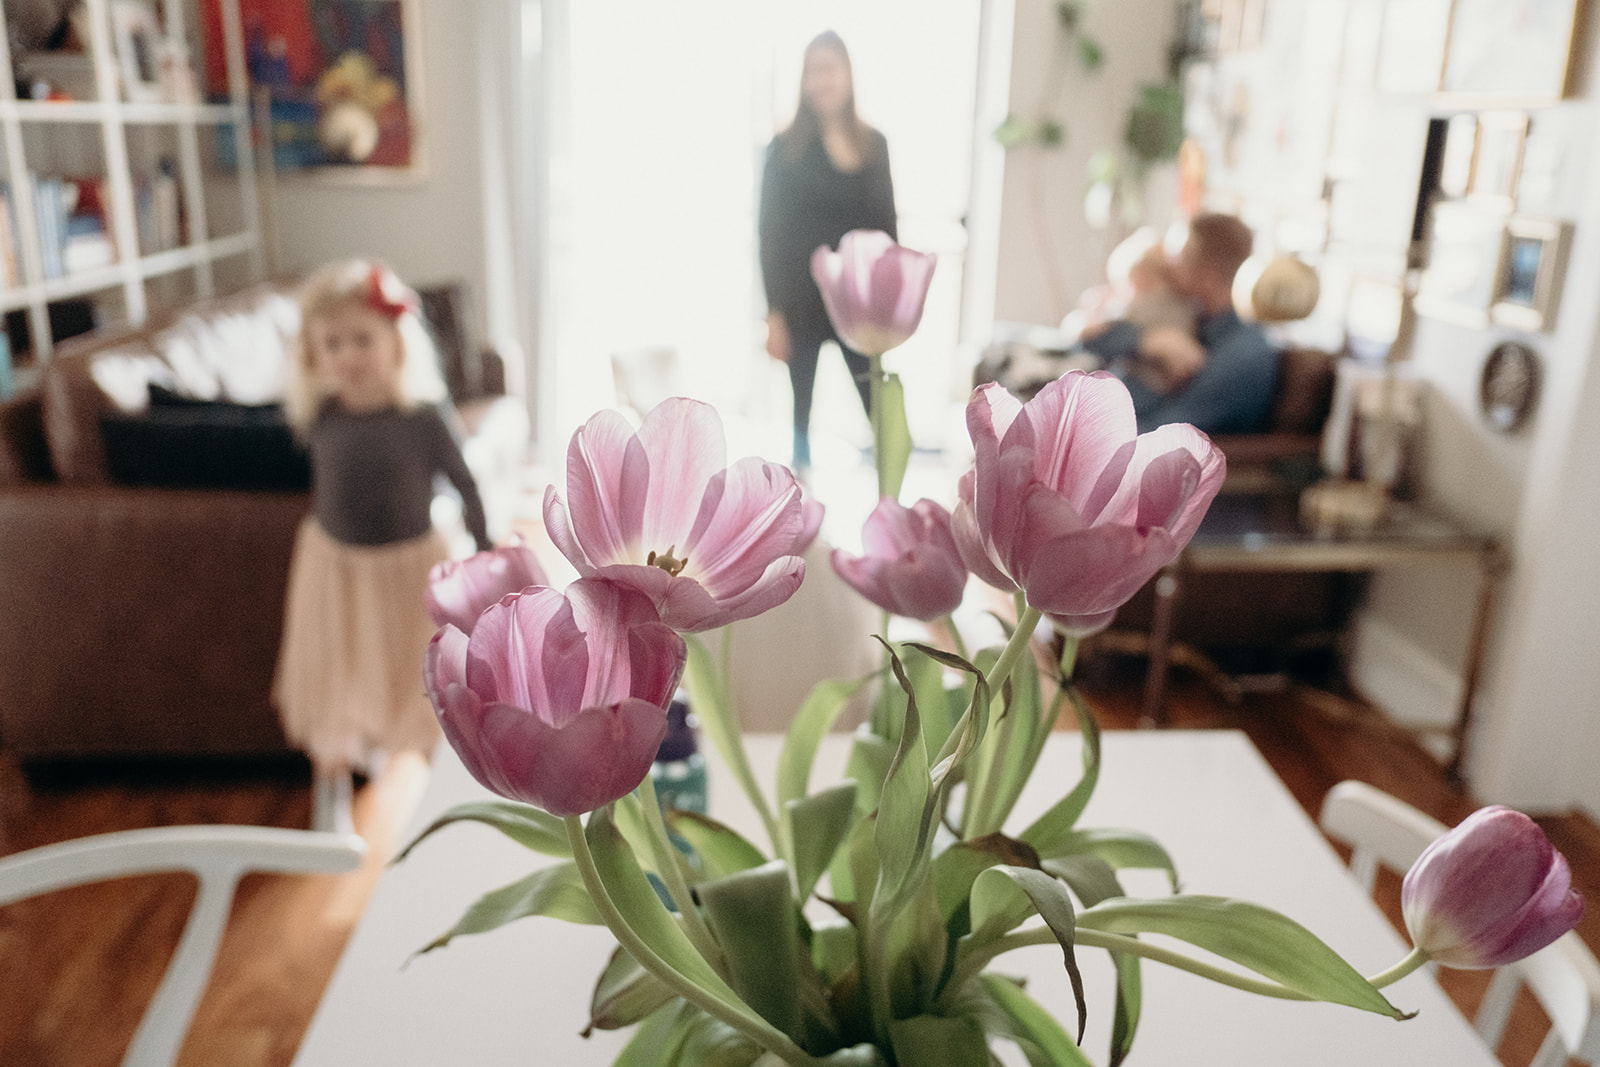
77 967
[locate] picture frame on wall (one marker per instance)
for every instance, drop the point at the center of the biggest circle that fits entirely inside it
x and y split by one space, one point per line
343 79
1464 257
136 34
1510 51
1533 267
1497 162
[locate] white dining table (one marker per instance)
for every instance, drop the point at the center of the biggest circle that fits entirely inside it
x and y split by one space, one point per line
520 995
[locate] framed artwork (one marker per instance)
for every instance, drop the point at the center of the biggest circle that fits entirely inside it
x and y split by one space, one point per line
1509 386
1463 268
1515 51
1498 160
136 32
1533 267
343 78
1460 152
1411 57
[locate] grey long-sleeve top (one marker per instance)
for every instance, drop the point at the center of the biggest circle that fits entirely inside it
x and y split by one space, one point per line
372 474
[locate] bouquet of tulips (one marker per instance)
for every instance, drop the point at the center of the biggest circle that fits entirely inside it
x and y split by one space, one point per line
860 931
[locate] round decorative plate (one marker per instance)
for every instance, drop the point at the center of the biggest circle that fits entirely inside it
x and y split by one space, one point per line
1510 385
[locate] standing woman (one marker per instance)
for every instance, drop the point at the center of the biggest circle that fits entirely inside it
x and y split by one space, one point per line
826 174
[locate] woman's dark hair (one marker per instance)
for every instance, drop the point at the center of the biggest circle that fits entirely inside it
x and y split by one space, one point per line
805 129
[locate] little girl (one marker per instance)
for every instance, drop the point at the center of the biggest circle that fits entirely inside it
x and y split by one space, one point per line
364 393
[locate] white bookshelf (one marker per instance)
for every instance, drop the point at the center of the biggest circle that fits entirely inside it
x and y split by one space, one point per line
120 138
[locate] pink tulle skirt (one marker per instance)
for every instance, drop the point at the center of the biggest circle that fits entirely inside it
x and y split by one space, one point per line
349 677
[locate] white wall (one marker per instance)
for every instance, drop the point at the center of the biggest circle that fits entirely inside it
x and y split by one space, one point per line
1536 739
1042 207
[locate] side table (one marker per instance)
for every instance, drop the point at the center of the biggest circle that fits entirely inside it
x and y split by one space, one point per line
1262 532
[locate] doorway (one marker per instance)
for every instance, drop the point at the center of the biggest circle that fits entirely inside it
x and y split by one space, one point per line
654 170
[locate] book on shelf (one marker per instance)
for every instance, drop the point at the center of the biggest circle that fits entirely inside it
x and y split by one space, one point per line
10 276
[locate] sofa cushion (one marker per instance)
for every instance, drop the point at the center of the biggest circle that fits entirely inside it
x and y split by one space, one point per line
190 444
74 403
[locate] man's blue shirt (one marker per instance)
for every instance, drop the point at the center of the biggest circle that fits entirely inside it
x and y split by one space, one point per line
1232 393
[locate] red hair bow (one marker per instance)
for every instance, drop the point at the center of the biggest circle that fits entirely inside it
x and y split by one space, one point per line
379 300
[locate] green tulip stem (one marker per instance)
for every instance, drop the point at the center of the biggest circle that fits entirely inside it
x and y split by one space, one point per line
733 750
875 414
665 854
1414 959
979 810
744 1021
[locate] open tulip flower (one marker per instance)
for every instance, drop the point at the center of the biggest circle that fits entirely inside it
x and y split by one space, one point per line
460 590
1489 892
873 289
661 510
1067 501
558 699
911 566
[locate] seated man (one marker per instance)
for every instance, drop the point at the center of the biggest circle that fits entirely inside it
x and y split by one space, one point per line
1223 384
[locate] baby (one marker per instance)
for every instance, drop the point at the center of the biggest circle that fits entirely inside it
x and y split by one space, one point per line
1141 290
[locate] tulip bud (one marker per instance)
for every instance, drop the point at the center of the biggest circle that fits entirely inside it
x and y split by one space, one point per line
911 566
873 289
460 590
1489 892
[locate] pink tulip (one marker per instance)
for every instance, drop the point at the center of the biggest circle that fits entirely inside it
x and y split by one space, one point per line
911 566
1067 501
1489 892
558 699
873 289
812 512
460 590
661 511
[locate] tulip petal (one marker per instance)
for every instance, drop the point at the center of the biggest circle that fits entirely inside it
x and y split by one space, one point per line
1081 423
608 480
602 754
685 443
527 651
558 527
751 513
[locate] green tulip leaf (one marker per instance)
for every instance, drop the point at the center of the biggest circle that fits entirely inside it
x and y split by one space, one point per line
625 994
647 917
556 891
957 867
657 1041
996 909
1035 1031
718 849
948 1042
531 827
1260 939
708 1042
915 949
1130 1001
755 919
893 434
1064 814
816 826
833 949
1089 877
868 766
719 720
1121 849
816 716
904 833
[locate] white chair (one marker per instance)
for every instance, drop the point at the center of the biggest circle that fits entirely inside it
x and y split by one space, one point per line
1564 977
218 856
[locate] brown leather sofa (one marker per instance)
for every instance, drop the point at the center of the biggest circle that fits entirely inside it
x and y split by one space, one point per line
142 574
